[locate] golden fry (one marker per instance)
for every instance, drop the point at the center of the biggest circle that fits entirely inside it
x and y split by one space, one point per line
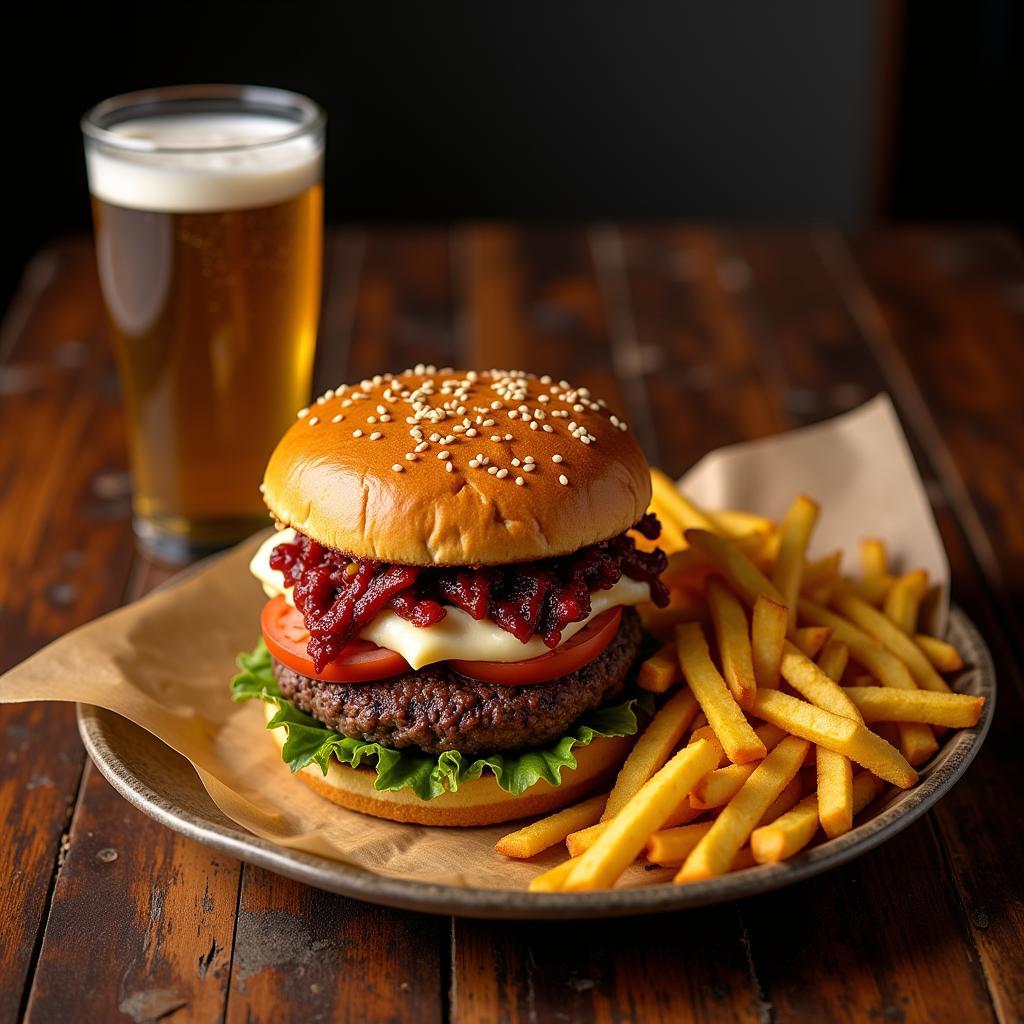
714 853
873 558
683 511
552 879
579 842
660 672
795 532
651 750
745 578
767 635
835 792
834 658
812 683
671 538
626 833
821 571
944 656
738 524
538 836
738 739
784 801
811 639
717 788
876 624
955 710
843 735
671 846
903 601
732 632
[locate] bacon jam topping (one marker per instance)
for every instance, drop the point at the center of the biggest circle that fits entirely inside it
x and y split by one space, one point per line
338 595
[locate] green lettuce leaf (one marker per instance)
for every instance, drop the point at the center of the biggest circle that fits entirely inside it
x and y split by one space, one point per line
427 775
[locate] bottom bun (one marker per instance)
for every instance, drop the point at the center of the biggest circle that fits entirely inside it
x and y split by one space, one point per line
476 802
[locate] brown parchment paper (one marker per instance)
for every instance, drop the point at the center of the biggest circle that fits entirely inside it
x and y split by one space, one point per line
165 662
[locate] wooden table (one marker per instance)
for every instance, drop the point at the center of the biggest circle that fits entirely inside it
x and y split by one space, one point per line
703 336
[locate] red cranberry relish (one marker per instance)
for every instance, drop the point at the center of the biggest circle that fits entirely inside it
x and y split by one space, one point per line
338 595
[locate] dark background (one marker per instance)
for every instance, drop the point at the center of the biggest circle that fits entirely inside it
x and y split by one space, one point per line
795 110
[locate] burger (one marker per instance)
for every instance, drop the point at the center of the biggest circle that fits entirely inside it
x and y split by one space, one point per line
451 631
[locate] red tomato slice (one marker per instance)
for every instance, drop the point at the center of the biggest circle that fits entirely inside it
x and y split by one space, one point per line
577 651
286 638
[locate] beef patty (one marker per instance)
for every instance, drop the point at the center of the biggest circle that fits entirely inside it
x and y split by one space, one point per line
438 709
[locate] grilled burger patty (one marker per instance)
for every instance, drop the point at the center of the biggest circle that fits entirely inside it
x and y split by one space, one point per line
437 709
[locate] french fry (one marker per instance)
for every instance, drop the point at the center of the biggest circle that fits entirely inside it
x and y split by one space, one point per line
651 750
789 563
812 683
539 835
782 838
717 788
714 853
903 601
738 739
834 772
745 578
916 741
811 639
737 523
671 846
660 622
955 710
683 814
732 631
578 843
944 656
835 792
552 879
843 735
660 672
872 589
834 658
876 624
820 571
767 635
675 503
785 801
628 831
873 558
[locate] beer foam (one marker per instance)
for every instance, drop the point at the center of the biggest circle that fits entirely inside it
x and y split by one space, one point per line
194 172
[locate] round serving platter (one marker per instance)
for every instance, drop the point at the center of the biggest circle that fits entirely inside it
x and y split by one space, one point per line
164 785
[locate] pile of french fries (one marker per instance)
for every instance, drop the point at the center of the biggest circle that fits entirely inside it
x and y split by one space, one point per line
792 694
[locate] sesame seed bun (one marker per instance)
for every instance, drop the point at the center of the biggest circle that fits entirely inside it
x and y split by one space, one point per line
391 469
478 802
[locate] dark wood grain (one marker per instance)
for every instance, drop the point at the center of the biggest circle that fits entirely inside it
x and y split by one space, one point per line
704 336
65 552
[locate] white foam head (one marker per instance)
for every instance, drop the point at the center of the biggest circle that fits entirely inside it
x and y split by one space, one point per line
195 163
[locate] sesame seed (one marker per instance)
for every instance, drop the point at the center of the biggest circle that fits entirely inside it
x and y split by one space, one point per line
422 446
487 423
495 437
492 470
376 435
501 474
448 467
471 432
410 456
548 429
385 418
357 433
338 418
435 437
585 439
520 481
516 462
381 409
313 420
444 455
302 414
563 480
529 467
398 467
346 403
529 458
473 464
556 458
371 419
534 424
508 437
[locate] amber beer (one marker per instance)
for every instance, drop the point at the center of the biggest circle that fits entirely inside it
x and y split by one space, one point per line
208 213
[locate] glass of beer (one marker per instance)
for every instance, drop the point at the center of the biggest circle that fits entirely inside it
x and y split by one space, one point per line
208 214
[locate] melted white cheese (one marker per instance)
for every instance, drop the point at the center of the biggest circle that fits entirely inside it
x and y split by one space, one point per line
458 635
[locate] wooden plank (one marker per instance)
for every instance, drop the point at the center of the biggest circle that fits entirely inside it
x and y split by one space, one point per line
65 547
142 920
533 300
947 298
302 953
674 967
741 334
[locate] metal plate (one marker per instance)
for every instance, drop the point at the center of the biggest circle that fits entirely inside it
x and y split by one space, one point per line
164 785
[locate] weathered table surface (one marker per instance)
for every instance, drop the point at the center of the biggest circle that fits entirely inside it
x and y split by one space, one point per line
703 336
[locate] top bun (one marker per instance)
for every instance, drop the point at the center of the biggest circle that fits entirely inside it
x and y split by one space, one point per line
365 470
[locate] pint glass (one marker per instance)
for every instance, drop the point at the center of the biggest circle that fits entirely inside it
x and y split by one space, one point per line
208 215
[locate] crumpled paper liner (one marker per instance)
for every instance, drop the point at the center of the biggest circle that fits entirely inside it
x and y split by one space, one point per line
165 662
